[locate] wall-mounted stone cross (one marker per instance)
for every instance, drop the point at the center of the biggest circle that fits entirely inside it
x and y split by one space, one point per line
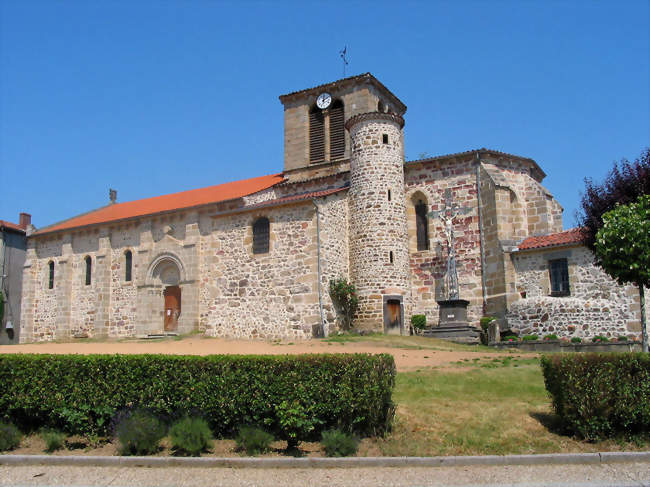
449 212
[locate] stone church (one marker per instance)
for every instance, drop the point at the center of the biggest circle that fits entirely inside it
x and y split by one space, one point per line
254 258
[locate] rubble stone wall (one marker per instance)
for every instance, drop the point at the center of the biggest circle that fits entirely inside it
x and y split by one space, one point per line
597 305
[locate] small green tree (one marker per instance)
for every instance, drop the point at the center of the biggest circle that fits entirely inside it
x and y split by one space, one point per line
344 296
623 248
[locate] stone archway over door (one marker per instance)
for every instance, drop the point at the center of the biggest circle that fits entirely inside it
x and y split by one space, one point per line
167 273
172 307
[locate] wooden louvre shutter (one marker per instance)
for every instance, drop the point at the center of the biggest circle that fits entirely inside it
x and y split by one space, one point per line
337 131
316 135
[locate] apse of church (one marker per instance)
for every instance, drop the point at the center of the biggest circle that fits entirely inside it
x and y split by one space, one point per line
254 258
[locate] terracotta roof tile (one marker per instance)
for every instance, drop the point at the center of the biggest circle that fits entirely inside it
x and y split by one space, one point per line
568 237
169 202
11 226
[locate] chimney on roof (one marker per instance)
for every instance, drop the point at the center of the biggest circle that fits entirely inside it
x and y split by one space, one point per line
25 219
112 195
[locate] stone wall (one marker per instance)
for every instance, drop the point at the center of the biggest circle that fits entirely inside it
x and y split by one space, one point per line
428 182
597 305
271 295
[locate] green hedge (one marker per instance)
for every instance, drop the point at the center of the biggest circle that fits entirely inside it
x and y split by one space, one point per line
600 395
81 394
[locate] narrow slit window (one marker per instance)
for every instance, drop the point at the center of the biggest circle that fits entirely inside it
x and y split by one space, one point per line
422 226
390 256
128 265
50 284
89 269
261 233
384 138
389 195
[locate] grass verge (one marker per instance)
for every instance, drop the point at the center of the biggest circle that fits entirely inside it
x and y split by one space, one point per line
491 407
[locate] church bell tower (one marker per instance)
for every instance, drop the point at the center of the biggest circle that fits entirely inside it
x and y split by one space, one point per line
315 139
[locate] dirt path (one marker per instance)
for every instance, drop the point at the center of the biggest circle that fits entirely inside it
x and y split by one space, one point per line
405 358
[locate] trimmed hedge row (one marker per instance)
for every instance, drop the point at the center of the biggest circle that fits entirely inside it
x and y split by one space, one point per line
600 395
82 394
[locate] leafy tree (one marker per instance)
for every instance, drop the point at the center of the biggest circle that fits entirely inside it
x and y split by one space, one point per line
623 185
344 296
623 248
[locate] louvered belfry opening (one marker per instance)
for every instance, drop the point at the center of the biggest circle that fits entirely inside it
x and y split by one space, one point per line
337 131
316 135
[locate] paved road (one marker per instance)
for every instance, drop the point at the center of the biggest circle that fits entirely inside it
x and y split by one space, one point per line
623 474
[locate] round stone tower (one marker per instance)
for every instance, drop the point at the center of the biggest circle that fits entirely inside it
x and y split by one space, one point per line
379 259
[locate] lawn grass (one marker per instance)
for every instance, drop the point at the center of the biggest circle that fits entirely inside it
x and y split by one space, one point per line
410 343
489 407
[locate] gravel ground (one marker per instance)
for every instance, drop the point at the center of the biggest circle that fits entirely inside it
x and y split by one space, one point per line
622 474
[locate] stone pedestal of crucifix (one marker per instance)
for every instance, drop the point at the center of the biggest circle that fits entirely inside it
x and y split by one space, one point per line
452 323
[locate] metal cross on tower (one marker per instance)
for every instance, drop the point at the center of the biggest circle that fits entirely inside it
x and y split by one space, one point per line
450 211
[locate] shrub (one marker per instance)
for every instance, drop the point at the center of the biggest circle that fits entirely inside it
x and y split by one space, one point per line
190 436
600 395
139 433
345 298
599 338
297 423
551 336
528 338
10 437
63 392
54 440
576 340
254 440
419 322
339 444
509 338
622 339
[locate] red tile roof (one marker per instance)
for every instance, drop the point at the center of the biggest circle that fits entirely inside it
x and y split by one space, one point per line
11 226
568 237
169 202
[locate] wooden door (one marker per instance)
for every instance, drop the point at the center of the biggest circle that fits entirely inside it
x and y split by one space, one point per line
394 318
172 307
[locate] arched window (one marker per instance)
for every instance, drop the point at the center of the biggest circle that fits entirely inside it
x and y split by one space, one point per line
261 236
421 225
128 265
316 135
89 269
337 131
51 278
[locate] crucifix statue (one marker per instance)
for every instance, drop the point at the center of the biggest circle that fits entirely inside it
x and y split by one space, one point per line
449 212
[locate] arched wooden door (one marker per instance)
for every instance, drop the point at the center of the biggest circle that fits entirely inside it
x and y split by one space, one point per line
172 307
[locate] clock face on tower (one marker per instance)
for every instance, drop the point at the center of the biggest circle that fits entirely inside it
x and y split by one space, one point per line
323 100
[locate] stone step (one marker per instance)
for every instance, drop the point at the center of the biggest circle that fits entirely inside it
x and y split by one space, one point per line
460 333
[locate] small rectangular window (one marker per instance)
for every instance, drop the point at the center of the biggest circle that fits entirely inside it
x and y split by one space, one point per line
559 275
384 138
128 264
390 256
389 195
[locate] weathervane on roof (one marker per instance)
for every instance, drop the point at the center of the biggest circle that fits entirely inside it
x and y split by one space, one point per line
343 53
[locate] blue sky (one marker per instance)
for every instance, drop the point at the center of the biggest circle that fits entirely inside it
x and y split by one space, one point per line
164 96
